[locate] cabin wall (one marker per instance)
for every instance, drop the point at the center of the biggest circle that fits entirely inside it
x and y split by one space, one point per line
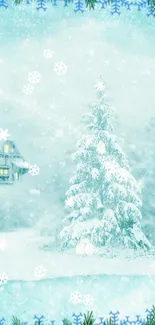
2 161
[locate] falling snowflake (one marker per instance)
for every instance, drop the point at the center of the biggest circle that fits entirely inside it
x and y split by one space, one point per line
4 134
101 148
70 202
48 54
40 272
100 86
28 90
95 173
3 279
60 68
34 170
75 298
34 77
87 300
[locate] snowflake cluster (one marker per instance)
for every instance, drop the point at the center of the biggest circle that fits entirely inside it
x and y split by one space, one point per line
77 298
34 77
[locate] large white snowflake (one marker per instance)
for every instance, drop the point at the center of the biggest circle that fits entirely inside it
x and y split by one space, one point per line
40 272
60 68
34 170
100 86
28 89
4 134
87 300
75 297
34 77
48 54
3 278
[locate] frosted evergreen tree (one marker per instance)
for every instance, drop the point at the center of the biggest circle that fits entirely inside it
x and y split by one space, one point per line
148 178
142 160
102 202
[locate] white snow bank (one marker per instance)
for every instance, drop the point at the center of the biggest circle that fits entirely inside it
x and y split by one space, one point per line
20 257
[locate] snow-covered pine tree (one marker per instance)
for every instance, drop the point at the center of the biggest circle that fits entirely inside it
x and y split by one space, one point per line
142 162
103 201
148 179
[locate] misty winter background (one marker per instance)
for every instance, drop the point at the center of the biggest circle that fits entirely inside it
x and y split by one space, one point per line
45 124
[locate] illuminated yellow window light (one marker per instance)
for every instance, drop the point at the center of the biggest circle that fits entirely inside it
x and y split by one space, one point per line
1 171
6 171
6 148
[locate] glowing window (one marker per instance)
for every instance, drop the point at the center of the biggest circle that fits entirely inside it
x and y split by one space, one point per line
6 148
6 171
1 171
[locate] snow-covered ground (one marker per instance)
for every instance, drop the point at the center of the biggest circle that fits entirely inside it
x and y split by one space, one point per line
22 255
57 284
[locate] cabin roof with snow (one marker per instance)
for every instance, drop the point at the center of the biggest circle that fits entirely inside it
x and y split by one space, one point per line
12 164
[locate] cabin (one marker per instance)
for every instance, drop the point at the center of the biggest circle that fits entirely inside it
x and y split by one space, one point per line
12 164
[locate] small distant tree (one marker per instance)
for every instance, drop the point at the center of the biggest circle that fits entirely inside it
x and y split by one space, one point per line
103 201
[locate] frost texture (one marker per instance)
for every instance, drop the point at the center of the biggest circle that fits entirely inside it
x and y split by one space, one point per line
103 201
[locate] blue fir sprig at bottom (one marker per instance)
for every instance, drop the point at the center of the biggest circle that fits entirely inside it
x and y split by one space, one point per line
88 319
81 5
